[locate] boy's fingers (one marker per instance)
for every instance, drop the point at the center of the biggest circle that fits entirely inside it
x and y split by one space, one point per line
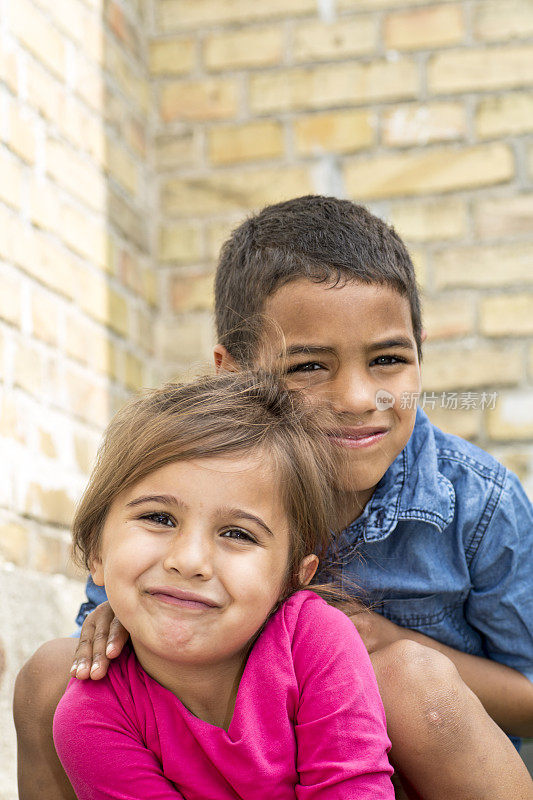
118 636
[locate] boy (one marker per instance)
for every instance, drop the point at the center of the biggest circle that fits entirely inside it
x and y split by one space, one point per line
437 533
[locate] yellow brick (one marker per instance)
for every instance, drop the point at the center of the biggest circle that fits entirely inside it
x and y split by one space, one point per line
132 81
8 69
453 367
530 159
33 30
121 166
21 133
69 15
46 312
319 40
199 100
47 445
192 293
93 295
134 372
363 5
176 15
28 369
429 172
150 287
118 313
487 266
233 191
81 128
14 543
40 257
449 315
131 221
186 340
90 85
420 124
249 47
172 56
492 21
83 235
430 220
10 180
507 315
504 216
87 398
45 93
334 131
332 85
49 553
508 114
86 343
178 150
512 418
52 505
217 233
85 448
181 244
10 299
424 28
420 263
78 175
45 209
465 422
471 70
247 142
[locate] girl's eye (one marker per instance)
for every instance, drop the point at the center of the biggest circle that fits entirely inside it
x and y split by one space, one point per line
384 361
307 366
160 518
238 534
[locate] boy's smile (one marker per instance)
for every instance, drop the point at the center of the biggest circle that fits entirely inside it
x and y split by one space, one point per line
351 347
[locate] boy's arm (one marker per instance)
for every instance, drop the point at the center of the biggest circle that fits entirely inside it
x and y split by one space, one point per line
499 607
505 693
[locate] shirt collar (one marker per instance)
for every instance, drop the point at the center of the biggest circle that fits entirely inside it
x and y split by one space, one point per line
411 489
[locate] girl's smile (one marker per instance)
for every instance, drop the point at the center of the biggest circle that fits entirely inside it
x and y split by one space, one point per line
194 557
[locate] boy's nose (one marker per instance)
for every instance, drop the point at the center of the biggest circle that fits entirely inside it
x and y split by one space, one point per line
189 553
353 394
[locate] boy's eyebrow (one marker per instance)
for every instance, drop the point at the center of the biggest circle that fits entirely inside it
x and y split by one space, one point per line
396 341
164 499
240 514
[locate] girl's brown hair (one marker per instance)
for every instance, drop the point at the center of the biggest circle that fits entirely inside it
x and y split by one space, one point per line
219 416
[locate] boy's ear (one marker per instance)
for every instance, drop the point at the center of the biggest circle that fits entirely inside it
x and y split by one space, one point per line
97 570
423 335
308 567
224 362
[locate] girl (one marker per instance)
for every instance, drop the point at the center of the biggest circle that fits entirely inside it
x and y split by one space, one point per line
204 518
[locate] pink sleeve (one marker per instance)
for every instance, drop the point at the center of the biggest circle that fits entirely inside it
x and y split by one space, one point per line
340 727
101 748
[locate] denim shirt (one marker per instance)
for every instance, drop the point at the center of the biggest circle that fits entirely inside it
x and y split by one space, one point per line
445 547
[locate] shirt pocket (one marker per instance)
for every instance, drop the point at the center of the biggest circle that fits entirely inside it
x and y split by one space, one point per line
440 616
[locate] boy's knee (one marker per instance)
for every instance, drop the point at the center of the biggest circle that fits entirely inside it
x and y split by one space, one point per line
426 685
41 682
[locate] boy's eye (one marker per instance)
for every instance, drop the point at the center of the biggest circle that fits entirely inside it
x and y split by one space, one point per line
382 361
307 366
238 534
160 518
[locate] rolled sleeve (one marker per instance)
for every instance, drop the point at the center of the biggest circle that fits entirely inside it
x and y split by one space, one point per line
500 604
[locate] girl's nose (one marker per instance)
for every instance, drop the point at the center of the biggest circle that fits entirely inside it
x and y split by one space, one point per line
189 553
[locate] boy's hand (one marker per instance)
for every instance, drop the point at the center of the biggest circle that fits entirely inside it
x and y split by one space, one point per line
102 637
375 630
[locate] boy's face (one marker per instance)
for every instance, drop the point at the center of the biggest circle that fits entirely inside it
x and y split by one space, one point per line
352 348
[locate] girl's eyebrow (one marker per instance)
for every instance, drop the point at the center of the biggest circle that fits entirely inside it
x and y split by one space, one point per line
164 499
296 349
240 514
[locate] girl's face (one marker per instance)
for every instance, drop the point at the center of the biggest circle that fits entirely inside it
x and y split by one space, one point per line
194 557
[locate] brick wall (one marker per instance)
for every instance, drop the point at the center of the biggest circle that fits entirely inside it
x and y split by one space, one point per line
421 110
77 290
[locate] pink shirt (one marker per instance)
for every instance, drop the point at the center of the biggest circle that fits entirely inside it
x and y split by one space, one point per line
308 723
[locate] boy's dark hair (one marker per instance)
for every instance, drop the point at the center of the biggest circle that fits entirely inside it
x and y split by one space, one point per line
321 238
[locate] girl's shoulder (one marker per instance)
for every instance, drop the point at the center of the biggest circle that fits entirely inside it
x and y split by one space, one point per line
306 614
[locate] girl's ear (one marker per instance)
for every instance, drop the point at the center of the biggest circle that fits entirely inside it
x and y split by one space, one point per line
308 567
97 570
224 362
